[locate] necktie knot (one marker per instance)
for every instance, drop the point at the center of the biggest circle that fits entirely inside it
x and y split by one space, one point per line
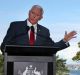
32 29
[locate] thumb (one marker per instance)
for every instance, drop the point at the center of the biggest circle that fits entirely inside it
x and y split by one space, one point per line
65 32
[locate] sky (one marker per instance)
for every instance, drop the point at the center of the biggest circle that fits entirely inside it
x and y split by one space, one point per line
59 16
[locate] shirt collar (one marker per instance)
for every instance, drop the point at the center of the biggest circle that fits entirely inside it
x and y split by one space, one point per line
29 24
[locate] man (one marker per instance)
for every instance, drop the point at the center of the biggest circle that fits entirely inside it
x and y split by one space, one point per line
19 32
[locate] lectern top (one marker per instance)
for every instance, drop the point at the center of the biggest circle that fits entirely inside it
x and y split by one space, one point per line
31 50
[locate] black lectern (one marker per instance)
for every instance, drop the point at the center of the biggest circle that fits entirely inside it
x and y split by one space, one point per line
29 60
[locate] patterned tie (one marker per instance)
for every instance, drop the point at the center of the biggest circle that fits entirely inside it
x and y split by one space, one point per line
32 36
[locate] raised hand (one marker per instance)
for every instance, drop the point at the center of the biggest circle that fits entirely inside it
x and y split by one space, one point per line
69 36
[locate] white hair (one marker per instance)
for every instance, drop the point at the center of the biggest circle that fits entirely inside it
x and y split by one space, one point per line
38 6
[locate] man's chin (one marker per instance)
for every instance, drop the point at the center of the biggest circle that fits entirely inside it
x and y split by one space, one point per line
33 22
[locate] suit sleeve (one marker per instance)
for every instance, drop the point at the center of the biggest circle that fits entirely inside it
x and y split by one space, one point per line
61 44
8 38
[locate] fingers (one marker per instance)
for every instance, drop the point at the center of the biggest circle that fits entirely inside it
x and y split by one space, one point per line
73 33
70 35
74 36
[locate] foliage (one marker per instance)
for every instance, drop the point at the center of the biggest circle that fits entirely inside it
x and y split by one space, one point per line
79 44
1 64
77 56
61 68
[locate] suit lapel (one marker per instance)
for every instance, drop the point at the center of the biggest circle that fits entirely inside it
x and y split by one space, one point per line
26 30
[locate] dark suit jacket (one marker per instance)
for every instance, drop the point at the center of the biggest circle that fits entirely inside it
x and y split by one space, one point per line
17 34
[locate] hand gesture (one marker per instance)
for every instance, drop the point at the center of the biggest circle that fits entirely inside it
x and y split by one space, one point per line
69 36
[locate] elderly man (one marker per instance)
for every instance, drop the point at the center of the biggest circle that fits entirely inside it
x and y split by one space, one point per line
30 33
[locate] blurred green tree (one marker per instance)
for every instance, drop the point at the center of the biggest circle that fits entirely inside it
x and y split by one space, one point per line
61 68
77 56
1 64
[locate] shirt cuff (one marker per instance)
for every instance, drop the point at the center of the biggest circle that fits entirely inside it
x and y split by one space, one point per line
66 42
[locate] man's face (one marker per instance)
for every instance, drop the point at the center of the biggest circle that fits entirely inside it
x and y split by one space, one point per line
35 15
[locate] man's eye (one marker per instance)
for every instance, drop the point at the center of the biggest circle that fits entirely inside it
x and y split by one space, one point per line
32 12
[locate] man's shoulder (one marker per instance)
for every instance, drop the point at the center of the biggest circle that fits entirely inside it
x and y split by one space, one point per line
43 27
17 22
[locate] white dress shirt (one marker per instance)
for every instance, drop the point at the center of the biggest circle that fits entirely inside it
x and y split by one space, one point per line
35 28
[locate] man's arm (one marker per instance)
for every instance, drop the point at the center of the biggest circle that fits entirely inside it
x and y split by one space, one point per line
8 38
62 44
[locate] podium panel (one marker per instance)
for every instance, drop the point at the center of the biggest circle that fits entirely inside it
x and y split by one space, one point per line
22 60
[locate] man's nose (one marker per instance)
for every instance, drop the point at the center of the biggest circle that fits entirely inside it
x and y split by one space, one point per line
34 16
